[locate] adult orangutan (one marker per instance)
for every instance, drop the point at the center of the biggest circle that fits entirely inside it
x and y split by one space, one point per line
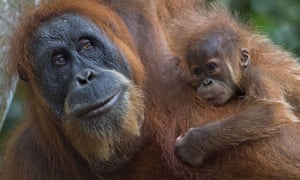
85 91
94 115
84 85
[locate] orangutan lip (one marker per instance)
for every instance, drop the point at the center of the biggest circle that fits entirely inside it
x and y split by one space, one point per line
210 98
100 107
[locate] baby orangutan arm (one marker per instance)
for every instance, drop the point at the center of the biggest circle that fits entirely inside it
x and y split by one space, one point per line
255 122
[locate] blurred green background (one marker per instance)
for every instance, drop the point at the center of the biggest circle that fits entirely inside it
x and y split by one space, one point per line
279 20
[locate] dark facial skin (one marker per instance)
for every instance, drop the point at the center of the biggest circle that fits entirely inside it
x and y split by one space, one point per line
210 73
76 64
87 82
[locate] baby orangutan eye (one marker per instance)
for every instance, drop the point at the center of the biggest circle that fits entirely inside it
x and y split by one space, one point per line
197 71
211 67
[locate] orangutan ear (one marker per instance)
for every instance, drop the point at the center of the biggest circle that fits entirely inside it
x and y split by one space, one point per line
245 58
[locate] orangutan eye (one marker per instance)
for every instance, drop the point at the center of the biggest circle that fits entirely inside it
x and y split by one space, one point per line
197 71
59 60
211 67
85 45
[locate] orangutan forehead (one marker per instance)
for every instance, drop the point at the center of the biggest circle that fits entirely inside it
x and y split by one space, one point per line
61 26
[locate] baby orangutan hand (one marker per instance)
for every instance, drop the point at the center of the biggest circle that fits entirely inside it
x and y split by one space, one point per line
188 147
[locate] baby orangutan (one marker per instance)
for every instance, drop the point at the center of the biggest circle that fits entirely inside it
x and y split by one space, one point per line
227 67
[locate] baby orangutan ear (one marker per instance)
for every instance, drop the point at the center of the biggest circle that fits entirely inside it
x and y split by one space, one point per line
245 59
22 73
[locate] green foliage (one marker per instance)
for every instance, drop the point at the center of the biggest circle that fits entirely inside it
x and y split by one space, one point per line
9 13
12 118
279 20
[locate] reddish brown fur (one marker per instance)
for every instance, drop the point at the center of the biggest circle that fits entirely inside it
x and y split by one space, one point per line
152 47
275 79
168 10
40 136
170 104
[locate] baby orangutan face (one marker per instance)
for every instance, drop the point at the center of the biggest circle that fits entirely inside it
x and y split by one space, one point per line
212 66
